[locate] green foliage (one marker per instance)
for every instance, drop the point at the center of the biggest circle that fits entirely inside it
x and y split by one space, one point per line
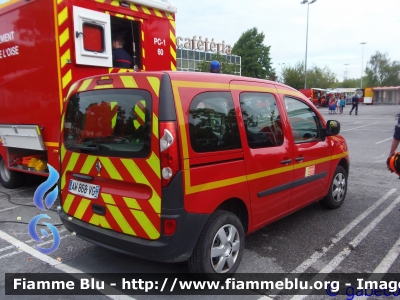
381 71
226 67
256 61
316 77
321 78
294 76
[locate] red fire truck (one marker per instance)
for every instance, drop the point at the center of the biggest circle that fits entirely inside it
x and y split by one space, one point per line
45 46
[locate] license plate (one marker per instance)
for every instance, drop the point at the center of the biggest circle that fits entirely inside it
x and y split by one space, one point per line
84 189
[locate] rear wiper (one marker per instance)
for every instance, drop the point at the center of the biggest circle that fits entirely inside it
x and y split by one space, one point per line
87 148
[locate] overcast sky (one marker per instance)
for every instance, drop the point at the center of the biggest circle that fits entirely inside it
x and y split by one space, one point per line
336 29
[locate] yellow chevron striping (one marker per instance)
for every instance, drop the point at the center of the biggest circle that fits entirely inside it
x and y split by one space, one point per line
64 58
139 177
85 85
172 22
173 52
64 37
155 84
63 151
173 68
108 198
88 165
115 3
99 220
68 202
154 163
70 166
146 10
133 7
62 16
132 203
70 91
82 207
112 171
172 37
157 12
120 219
136 124
155 125
67 79
128 82
147 226
139 111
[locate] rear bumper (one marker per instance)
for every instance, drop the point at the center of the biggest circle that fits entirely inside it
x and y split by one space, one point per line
175 248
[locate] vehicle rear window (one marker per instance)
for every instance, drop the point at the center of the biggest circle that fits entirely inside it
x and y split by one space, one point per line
212 123
115 122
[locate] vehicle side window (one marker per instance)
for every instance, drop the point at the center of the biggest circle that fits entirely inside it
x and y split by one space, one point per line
261 119
212 123
305 124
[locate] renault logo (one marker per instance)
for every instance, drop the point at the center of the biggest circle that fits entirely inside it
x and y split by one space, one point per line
98 167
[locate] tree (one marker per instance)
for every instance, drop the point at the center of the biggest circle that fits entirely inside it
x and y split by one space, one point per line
256 61
294 76
226 67
321 78
381 71
316 77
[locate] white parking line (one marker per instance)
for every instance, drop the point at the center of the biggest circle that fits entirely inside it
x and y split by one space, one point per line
336 261
318 254
54 263
384 141
384 265
360 127
12 207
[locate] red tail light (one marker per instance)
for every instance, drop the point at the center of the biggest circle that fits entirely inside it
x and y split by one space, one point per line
169 152
169 226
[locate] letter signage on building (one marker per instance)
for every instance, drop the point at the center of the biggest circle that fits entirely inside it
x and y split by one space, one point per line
206 45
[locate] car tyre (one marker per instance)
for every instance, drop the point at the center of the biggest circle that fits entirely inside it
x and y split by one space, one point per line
8 178
219 249
337 190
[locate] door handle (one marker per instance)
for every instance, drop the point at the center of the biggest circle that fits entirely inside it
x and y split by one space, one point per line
286 161
300 158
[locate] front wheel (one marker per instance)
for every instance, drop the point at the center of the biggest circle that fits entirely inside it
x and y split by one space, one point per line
9 179
337 191
220 247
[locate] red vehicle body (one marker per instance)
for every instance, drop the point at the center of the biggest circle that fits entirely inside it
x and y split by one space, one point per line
45 45
173 166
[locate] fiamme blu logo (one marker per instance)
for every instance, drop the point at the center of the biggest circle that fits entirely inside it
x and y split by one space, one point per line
44 204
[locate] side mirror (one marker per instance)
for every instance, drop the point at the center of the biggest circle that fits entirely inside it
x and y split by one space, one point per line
332 128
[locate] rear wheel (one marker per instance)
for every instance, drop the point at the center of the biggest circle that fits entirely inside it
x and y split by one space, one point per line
337 191
9 179
220 247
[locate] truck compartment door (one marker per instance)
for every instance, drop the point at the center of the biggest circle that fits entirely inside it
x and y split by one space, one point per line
92 35
22 136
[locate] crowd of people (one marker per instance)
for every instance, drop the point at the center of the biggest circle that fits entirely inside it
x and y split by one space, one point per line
337 102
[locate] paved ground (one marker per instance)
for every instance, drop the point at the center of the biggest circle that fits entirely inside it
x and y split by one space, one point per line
362 236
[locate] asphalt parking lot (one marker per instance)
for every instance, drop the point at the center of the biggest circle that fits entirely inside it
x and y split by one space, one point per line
362 236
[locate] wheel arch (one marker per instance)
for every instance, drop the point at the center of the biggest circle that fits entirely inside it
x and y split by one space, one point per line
238 208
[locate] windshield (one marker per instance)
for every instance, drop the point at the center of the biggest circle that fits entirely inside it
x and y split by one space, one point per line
113 122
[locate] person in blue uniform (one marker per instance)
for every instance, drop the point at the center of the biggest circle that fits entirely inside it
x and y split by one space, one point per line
121 58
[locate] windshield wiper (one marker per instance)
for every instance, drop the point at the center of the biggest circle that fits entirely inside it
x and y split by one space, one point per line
87 148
